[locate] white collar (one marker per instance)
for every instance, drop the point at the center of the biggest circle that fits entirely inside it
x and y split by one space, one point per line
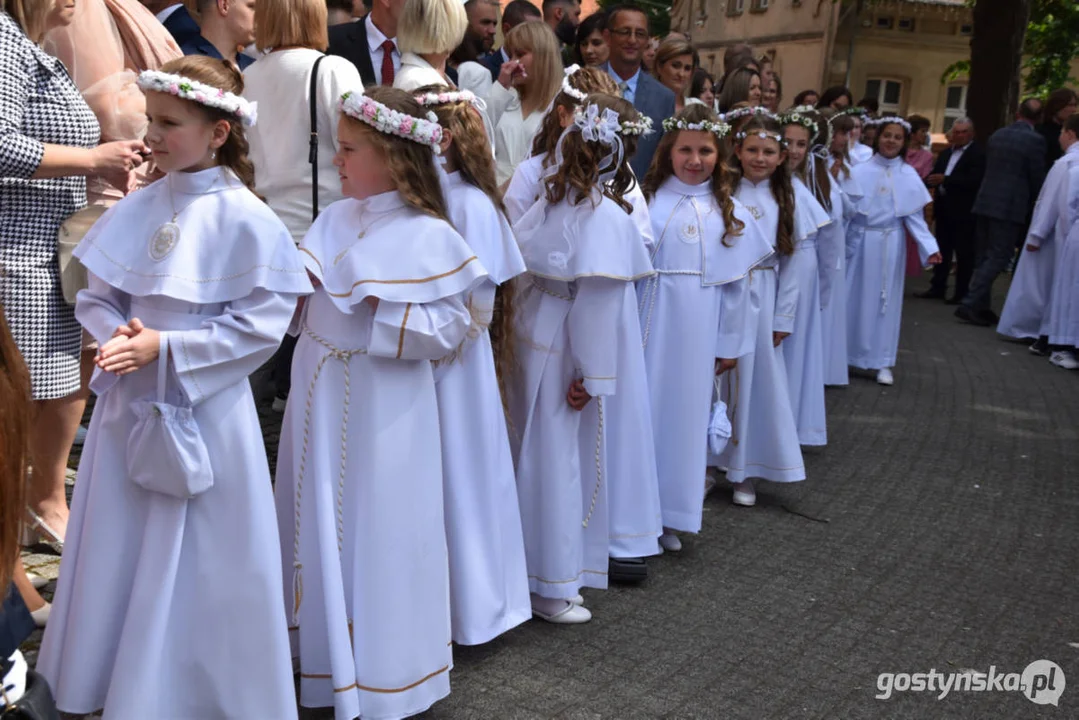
675 185
375 38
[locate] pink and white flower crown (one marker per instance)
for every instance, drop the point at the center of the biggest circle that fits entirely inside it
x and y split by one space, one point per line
187 89
391 122
451 96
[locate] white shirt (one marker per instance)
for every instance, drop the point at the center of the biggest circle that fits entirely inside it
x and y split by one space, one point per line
280 141
375 38
167 12
954 159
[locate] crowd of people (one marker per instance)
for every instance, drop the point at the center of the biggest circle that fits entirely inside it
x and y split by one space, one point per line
522 307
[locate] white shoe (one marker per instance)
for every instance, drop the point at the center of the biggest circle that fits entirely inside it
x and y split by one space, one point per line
577 599
80 436
1064 359
570 614
41 615
745 494
884 377
279 404
36 581
670 542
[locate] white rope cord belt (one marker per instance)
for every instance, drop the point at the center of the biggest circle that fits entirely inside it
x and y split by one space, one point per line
887 233
344 356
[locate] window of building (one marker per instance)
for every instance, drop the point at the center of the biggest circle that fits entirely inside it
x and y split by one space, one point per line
736 7
887 92
885 22
758 6
906 24
955 105
966 29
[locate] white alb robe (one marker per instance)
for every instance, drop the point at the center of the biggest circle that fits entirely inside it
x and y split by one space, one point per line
847 192
764 437
803 351
1026 310
576 313
893 204
170 608
488 578
359 472
860 153
1063 325
695 309
633 493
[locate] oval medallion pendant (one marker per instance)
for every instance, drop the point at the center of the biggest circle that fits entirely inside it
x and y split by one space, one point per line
164 240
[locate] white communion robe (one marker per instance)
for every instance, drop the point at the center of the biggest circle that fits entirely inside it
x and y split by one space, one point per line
169 608
803 351
488 577
359 473
633 492
860 153
695 309
1063 325
576 315
834 314
1026 310
895 199
764 437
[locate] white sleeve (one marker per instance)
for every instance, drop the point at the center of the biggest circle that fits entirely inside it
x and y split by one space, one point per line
737 320
927 244
499 100
411 331
522 193
1046 211
787 294
593 324
830 242
101 308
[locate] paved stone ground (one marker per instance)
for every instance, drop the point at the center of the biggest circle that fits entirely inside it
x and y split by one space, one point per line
938 530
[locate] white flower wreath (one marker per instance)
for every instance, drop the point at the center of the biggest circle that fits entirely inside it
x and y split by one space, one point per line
893 120
719 129
187 89
793 117
578 95
642 126
451 96
391 122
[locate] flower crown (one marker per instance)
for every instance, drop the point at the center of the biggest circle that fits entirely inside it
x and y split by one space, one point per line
578 95
719 129
451 96
763 135
641 126
391 122
855 110
893 120
794 117
187 89
752 111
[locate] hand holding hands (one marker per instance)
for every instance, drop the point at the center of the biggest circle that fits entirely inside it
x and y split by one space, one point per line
132 346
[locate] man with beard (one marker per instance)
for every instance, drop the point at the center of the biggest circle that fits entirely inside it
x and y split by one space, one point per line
563 16
482 23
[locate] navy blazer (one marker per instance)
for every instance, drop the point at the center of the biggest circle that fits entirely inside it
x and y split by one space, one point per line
199 45
657 102
182 26
349 40
493 62
1014 173
955 196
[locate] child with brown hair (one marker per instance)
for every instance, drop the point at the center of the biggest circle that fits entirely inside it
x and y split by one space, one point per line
488 579
359 474
168 601
578 310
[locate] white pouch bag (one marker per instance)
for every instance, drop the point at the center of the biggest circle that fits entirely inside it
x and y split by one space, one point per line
165 451
719 427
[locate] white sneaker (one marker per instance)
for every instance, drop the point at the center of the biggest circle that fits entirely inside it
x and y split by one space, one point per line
1064 359
279 404
670 542
745 494
884 377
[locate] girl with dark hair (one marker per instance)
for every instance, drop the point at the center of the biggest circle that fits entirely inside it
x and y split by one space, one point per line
192 284
894 204
488 580
837 98
764 437
591 49
696 312
1059 106
702 87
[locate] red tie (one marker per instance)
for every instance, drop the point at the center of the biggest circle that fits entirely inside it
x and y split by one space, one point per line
387 63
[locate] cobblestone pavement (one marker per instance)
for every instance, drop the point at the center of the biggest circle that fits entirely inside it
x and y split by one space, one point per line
938 530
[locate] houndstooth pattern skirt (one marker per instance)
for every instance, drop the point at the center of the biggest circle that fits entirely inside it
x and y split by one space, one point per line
38 104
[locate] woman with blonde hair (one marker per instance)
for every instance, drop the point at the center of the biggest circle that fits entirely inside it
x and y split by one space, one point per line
674 67
289 82
742 85
526 86
427 33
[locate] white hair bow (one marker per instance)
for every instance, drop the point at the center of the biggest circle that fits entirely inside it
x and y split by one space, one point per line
595 127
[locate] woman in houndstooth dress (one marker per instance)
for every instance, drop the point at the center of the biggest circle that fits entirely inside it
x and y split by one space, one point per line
48 139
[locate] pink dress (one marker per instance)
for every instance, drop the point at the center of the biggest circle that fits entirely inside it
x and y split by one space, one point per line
922 162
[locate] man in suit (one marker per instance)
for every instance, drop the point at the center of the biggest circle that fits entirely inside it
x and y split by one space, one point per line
514 14
176 19
956 178
1014 172
371 44
627 37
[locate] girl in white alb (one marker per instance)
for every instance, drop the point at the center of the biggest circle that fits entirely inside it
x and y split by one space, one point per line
488 578
168 604
359 471
583 253
764 437
814 256
893 205
696 312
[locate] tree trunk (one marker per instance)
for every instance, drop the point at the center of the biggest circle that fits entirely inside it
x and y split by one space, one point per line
996 51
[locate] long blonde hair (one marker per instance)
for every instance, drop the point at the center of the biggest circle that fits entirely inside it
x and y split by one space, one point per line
29 15
545 79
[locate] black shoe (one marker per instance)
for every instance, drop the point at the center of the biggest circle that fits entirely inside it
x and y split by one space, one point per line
991 316
954 300
628 571
1040 347
930 294
971 316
